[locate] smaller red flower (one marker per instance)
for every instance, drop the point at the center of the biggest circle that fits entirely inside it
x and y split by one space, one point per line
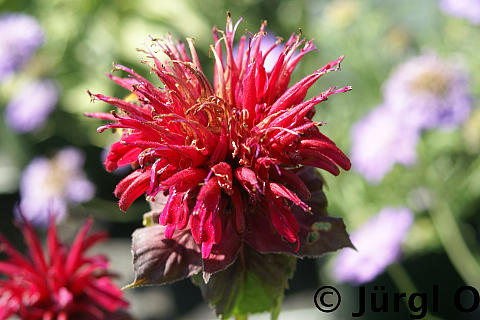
67 285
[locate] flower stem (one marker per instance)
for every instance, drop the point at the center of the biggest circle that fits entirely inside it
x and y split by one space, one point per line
405 284
444 221
241 316
401 278
455 247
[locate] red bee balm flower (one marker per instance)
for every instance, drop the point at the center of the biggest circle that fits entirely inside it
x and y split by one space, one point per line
69 285
226 155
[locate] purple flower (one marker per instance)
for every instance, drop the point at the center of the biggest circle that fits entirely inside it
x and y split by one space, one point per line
469 9
270 45
378 244
269 41
20 36
430 91
48 185
29 108
381 139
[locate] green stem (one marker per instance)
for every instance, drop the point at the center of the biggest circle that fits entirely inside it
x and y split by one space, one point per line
445 222
455 247
405 284
401 278
241 317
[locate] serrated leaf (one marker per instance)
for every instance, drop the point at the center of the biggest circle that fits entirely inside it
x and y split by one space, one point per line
253 284
157 260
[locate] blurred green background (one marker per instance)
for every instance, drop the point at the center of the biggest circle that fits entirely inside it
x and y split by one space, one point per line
83 38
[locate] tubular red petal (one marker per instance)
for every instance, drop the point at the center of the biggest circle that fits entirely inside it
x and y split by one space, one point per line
137 187
247 178
125 182
223 171
76 250
282 191
186 179
295 182
238 208
34 246
329 149
317 159
130 108
283 220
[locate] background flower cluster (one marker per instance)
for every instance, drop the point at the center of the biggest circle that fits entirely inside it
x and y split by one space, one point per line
411 127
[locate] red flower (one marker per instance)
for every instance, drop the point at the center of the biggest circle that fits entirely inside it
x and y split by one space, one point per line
67 285
227 154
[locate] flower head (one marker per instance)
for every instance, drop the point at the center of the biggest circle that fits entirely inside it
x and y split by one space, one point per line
67 284
20 36
48 185
469 9
378 244
381 139
225 155
430 92
32 104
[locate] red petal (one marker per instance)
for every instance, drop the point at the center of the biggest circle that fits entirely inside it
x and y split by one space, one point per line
247 178
328 149
283 220
223 172
186 179
295 182
134 190
282 191
319 160
238 210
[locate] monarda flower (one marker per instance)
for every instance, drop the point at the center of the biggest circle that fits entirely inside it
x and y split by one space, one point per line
226 161
66 285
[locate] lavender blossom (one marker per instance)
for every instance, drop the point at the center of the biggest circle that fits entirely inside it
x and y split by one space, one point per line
378 244
271 59
430 91
30 107
268 41
469 9
380 140
20 36
48 185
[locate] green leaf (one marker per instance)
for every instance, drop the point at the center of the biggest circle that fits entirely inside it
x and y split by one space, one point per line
254 283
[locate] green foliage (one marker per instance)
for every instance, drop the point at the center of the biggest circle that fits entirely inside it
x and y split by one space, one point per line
254 283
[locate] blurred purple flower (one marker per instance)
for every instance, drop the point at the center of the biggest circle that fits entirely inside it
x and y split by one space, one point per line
48 185
430 92
381 139
268 41
20 36
469 9
378 244
29 108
